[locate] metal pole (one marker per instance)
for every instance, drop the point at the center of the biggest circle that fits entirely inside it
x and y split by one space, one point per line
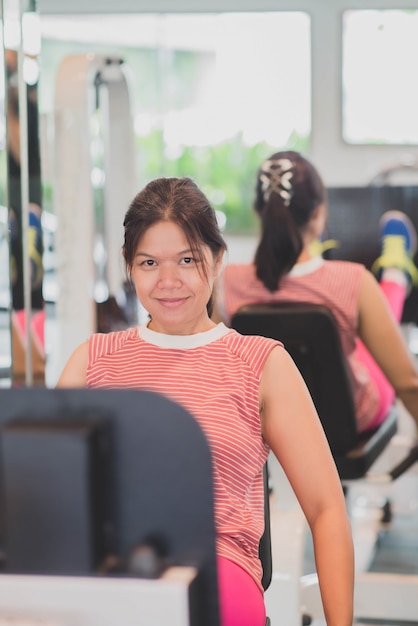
24 190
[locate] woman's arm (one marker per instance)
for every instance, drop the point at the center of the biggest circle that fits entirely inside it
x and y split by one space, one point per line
382 336
294 433
74 372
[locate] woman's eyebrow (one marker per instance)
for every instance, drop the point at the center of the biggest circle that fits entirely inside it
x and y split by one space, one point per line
142 254
180 253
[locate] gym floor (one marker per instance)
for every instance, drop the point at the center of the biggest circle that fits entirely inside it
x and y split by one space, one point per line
396 550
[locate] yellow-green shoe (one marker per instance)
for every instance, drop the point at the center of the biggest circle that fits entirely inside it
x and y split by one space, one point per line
399 244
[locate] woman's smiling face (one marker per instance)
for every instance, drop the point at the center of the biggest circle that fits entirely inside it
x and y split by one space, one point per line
171 282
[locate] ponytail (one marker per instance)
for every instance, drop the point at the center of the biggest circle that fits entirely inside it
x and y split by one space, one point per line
280 244
288 190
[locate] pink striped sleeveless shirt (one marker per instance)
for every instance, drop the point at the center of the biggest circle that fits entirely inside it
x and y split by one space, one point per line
335 284
215 375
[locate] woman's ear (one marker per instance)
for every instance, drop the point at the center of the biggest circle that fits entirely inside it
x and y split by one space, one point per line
319 217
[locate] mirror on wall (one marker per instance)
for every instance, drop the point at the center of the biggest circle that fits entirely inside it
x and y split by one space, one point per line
22 305
5 293
162 82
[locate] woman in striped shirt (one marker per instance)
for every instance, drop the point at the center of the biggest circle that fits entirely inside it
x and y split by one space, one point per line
245 392
291 203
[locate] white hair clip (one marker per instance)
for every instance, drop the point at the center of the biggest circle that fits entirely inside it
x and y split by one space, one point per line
276 175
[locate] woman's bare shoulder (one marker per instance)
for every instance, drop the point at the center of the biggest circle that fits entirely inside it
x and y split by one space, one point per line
74 372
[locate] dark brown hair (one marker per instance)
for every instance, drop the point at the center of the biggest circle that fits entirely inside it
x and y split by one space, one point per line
285 206
177 200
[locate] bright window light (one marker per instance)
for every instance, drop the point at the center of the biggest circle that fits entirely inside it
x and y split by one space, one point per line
212 95
254 78
380 90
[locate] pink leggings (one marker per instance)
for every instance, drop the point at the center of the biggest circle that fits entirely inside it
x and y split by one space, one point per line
395 295
241 601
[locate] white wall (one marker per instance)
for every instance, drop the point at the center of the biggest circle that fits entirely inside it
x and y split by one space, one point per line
192 6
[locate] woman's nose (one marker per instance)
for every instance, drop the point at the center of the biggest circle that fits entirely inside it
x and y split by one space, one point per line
169 276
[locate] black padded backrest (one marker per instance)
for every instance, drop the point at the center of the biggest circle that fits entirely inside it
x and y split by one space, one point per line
264 551
160 473
310 335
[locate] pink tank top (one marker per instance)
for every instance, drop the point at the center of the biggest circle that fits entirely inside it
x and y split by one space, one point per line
335 284
215 375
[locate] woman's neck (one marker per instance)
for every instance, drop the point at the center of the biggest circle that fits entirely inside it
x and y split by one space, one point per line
304 256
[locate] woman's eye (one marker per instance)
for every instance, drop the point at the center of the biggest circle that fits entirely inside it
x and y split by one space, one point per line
187 260
147 263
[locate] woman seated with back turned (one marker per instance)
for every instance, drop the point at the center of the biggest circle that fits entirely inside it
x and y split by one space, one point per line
245 392
291 203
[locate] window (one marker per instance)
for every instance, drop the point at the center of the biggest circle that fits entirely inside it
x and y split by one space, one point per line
380 89
213 94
